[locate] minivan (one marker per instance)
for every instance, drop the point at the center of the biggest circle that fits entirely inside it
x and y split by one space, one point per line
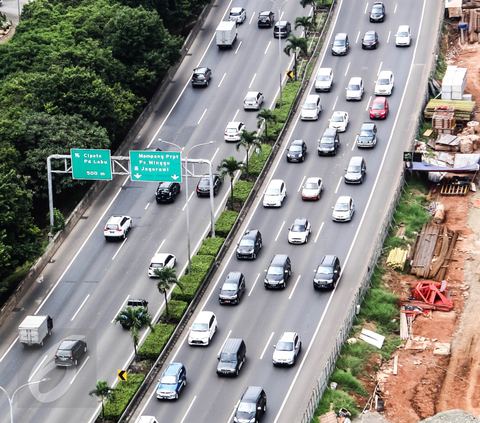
275 193
327 273
278 271
249 245
355 172
311 108
329 143
340 44
252 406
367 136
231 357
282 29
324 79
232 289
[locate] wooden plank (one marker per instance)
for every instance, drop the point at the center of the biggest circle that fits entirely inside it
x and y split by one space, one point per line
395 365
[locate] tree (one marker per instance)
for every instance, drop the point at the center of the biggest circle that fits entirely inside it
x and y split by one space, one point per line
267 116
248 139
229 167
313 3
292 44
134 318
103 392
167 278
305 22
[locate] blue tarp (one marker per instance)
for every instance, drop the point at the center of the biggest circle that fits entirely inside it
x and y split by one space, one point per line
425 167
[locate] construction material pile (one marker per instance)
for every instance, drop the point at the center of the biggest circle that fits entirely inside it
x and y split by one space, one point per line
443 120
396 259
453 84
463 109
427 296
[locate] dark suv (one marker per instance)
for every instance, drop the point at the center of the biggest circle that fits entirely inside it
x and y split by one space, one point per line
378 12
329 143
252 406
278 272
249 244
203 186
282 29
201 76
232 357
266 18
232 289
327 273
69 352
167 192
367 136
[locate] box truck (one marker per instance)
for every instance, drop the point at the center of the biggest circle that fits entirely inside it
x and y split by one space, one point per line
34 329
226 34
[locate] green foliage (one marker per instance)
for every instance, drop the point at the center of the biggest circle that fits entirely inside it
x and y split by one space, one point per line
352 364
289 93
175 311
123 393
257 161
58 220
340 400
155 341
441 67
380 306
229 166
224 223
201 264
348 383
104 392
241 190
211 246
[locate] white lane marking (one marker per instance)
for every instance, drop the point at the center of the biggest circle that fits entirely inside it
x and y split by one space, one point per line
201 117
395 10
355 142
189 198
79 308
268 45
9 348
266 345
188 409
379 68
119 248
281 16
334 104
223 77
254 283
296 283
368 104
121 308
253 79
215 154
161 245
146 207
80 369
358 36
318 233
235 116
301 184
388 38
280 230
251 19
36 370
366 7
338 185
317 329
221 348
233 412
348 67
239 44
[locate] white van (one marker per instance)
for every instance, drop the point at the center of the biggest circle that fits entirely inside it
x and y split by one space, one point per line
147 419
311 108
275 193
324 79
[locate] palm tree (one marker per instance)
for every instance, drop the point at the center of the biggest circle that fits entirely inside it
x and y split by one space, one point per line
305 22
167 277
229 167
103 392
292 44
248 139
313 3
267 116
134 318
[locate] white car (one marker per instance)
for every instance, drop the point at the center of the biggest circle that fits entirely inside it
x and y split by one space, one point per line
299 231
311 108
355 89
287 349
403 37
275 193
203 329
324 79
339 121
344 209
159 261
234 130
312 189
237 14
385 83
253 100
117 227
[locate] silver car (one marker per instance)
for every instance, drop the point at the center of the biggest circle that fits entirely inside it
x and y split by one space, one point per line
253 100
343 209
287 349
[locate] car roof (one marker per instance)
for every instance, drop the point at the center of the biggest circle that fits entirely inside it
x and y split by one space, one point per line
115 219
356 160
403 28
173 368
252 93
339 112
300 221
165 184
231 345
234 124
370 32
313 179
250 233
368 125
279 258
282 23
233 276
340 36
287 336
329 132
204 317
208 176
378 3
160 257
384 74
328 260
355 80
379 100
200 70
66 344
275 183
344 199
265 12
312 98
324 71
297 142
251 393
236 9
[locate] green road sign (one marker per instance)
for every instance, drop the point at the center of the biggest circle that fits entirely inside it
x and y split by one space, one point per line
156 166
91 164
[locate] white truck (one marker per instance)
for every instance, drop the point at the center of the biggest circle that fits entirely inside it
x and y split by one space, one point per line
226 34
34 329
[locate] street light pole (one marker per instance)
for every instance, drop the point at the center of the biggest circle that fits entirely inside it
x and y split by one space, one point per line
10 400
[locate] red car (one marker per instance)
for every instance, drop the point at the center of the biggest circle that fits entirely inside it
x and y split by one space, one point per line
379 108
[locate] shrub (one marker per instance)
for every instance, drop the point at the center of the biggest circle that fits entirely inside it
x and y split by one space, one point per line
224 223
241 190
381 306
154 342
122 395
58 221
257 161
353 364
176 309
288 96
190 285
201 264
340 399
211 246
348 383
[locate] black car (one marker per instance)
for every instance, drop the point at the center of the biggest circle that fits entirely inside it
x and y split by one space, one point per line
249 244
266 18
232 289
252 406
278 272
367 136
232 357
329 143
355 172
370 40
167 192
203 186
378 12
327 273
282 29
201 76
297 151
69 352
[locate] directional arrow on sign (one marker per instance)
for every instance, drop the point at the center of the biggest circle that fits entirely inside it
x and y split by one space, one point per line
122 375
174 177
137 175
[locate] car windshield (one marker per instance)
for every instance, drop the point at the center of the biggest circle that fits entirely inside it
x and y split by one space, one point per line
112 227
309 106
377 106
163 189
272 191
168 380
63 353
199 75
369 37
338 43
353 87
402 34
228 357
247 243
200 327
298 228
341 207
353 169
337 118
246 407
323 78
285 346
231 130
377 9
295 148
156 265
366 134
205 182
324 270
235 13
311 185
250 99
383 81
274 270
229 286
